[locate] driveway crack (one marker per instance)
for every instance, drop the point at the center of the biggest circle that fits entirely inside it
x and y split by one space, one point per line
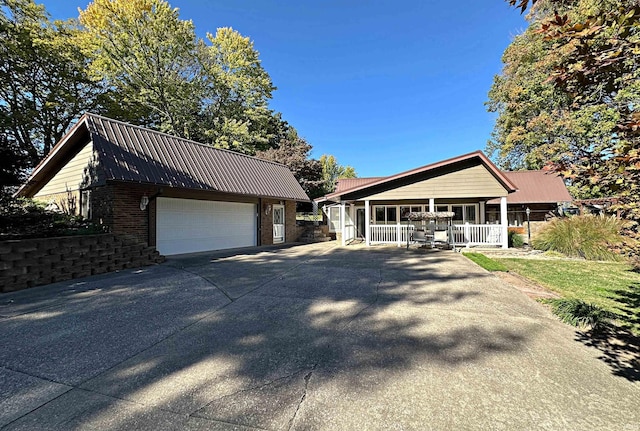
224 292
307 378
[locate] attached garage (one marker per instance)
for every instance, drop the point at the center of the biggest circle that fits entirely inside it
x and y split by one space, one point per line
189 225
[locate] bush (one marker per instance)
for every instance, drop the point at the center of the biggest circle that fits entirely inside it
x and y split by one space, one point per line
26 218
590 237
515 239
578 313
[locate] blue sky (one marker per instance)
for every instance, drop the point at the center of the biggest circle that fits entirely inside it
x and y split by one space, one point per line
384 86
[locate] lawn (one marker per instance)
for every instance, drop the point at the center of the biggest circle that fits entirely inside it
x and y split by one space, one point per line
610 285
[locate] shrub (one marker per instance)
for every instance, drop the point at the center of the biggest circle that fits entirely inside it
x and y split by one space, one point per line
578 313
26 218
515 239
589 236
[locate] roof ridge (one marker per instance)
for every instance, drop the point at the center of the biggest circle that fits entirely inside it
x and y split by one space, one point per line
190 141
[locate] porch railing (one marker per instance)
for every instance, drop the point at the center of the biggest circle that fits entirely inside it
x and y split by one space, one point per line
459 235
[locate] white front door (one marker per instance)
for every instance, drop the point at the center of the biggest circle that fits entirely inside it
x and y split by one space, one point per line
278 224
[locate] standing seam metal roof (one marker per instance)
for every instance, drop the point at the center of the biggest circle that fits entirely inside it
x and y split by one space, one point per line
135 154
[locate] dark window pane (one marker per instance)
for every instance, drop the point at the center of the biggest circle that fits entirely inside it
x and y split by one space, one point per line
391 214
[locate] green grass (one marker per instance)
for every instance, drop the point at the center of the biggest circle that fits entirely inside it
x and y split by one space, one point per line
612 286
485 262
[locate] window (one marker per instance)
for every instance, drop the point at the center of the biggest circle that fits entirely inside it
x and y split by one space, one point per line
465 213
380 215
470 213
85 204
406 210
391 215
334 218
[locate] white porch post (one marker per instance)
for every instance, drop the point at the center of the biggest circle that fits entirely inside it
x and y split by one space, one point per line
432 205
343 223
504 221
367 223
483 215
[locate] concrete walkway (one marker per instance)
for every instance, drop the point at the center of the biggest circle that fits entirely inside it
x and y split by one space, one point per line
313 337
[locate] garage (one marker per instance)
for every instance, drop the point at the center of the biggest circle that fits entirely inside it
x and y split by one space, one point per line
190 225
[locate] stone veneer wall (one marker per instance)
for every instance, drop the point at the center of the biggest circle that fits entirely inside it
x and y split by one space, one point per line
33 262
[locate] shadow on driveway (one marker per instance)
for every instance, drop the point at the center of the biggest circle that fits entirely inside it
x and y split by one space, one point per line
306 337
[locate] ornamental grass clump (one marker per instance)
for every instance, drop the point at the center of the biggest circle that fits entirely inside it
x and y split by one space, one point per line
578 313
590 237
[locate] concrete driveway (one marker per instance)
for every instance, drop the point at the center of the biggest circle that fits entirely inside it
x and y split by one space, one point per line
313 337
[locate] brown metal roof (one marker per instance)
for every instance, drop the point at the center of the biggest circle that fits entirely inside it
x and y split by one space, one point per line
349 183
134 154
536 187
479 155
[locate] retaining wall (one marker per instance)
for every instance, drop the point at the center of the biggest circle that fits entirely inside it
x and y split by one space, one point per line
33 262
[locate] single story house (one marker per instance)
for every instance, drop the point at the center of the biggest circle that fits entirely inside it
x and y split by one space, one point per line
483 199
175 194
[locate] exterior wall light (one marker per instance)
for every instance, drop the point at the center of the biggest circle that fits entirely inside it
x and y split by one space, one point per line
267 209
144 202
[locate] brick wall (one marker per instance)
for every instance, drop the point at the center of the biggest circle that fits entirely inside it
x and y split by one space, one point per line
33 262
291 233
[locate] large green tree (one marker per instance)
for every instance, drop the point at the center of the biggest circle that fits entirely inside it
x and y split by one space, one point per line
44 86
213 91
569 97
332 171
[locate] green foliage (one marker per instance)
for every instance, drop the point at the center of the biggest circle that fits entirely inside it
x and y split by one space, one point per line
578 313
44 86
332 171
293 152
515 239
569 96
168 78
485 262
612 286
26 218
589 237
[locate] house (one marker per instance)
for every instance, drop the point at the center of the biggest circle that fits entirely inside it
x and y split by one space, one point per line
542 192
175 194
470 186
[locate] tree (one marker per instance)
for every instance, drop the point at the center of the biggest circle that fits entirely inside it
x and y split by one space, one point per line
146 54
332 171
43 84
571 98
294 152
167 78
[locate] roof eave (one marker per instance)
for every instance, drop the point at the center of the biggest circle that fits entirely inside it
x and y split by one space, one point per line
55 153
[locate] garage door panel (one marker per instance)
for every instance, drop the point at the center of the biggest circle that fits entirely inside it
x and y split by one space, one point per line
187 225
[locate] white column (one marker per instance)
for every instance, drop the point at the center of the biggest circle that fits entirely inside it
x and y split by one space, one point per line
483 217
315 213
343 220
367 223
504 221
432 205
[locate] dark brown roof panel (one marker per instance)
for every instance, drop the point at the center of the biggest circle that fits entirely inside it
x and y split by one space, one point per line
536 187
349 183
134 154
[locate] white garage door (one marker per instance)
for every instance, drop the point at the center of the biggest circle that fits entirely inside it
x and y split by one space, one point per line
189 225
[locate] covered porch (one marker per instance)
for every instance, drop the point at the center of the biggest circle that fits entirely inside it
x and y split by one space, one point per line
377 211
377 222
